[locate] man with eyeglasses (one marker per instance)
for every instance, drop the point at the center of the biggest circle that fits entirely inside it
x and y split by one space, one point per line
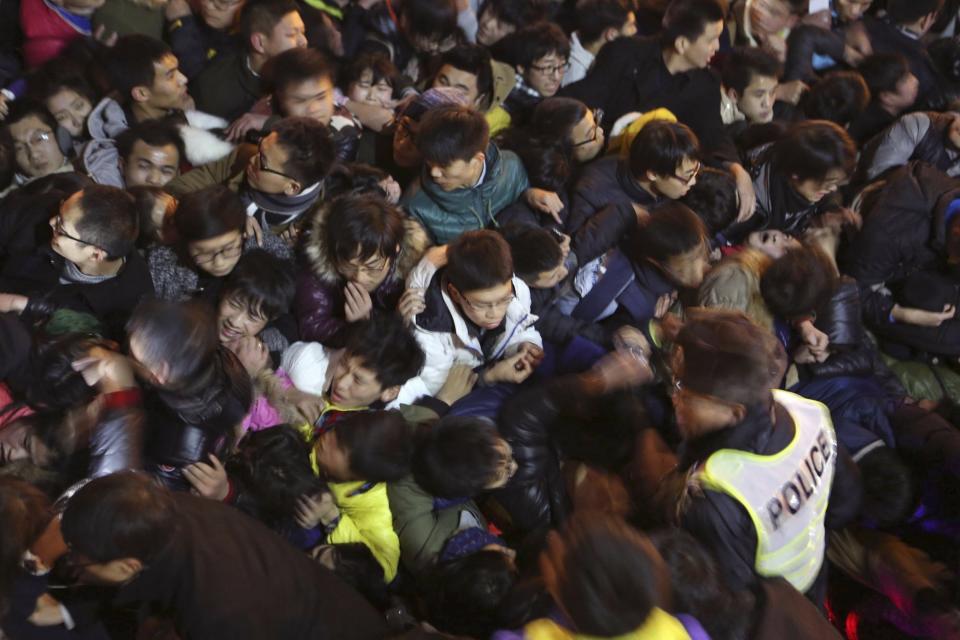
36 153
91 265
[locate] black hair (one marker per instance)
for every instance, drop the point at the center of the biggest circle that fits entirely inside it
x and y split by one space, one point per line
379 444
122 515
465 596
470 58
8 160
887 487
54 385
145 198
377 63
310 149
429 18
525 46
797 283
534 250
545 145
452 133
904 12
518 13
458 457
109 220
883 72
714 199
24 514
743 64
273 468
387 347
155 133
596 16
361 226
671 230
354 178
660 148
611 576
129 63
291 67
699 588
839 97
59 74
25 107
478 260
689 19
811 149
208 213
183 335
261 16
355 563
263 283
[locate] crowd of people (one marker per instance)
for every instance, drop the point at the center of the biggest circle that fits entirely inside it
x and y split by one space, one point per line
492 319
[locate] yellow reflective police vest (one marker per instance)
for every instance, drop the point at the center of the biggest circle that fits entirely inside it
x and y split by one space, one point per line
786 494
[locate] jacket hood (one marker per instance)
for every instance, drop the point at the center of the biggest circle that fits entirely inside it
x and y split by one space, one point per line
107 120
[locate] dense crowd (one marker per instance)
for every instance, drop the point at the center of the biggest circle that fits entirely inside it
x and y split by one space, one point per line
492 319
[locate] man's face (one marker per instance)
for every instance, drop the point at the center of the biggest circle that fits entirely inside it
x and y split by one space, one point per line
265 171
218 255
688 269
354 385
367 91
587 138
814 190
289 33
459 174
220 14
70 109
35 147
486 308
67 241
699 52
545 74
756 102
368 273
235 320
551 278
169 89
312 98
463 82
674 187
491 29
150 166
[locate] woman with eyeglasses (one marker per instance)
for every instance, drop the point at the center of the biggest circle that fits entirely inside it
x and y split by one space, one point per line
210 237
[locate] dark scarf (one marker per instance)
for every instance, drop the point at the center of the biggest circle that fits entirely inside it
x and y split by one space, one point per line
277 209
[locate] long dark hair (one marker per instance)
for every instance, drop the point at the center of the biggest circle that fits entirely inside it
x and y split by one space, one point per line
24 514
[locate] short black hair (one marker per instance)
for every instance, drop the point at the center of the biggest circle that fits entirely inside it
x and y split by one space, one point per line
458 457
466 596
59 74
452 133
909 11
714 199
660 148
743 64
799 282
311 152
379 444
122 515
887 487
183 335
362 221
24 108
534 250
387 347
469 58
671 230
261 16
208 213
129 63
291 67
52 383
839 97
263 283
883 72
376 62
110 219
596 16
355 178
478 260
811 149
429 18
689 19
518 13
155 133
525 46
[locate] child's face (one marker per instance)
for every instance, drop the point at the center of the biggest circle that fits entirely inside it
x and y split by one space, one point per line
814 190
485 307
674 187
235 320
70 109
459 174
332 459
354 385
688 269
368 273
367 91
756 102
312 98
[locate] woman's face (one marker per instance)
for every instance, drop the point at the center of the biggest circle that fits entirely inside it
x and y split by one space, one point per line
772 242
587 138
491 29
71 110
365 90
235 320
218 255
814 190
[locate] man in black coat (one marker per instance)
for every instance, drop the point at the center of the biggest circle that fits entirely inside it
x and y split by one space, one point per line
217 572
